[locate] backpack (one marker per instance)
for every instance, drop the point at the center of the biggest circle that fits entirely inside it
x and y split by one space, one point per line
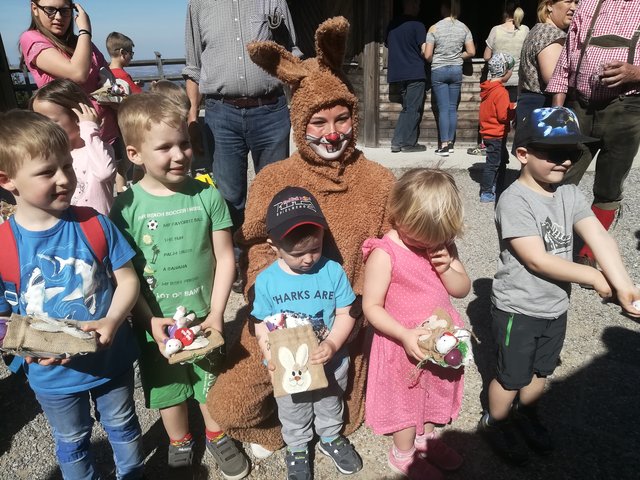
90 231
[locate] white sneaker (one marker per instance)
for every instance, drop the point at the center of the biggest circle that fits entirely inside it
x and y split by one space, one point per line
259 451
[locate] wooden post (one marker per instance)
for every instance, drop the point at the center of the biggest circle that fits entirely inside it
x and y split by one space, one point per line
371 80
7 94
159 64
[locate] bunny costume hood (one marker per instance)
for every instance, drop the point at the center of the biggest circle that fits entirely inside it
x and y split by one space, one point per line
352 193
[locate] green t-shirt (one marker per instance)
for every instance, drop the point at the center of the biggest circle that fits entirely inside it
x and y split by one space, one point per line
172 239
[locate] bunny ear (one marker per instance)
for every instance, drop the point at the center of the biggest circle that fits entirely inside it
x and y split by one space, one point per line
331 42
302 354
278 62
286 357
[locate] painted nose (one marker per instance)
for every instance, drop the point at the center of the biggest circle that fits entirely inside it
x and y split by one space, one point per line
333 137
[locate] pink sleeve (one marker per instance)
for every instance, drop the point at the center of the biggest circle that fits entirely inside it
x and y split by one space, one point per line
99 155
32 43
370 244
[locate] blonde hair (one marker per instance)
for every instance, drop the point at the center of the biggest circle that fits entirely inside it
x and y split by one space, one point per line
518 16
542 12
425 204
27 135
174 92
138 113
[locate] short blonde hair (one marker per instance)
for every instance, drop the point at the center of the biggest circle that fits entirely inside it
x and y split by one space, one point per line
425 204
543 13
26 135
174 92
138 113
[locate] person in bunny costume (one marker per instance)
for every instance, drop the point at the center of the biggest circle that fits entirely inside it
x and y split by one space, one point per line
352 193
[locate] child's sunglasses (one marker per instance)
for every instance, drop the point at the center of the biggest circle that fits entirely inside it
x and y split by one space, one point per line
559 155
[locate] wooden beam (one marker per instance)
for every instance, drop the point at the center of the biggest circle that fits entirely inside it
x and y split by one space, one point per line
7 95
371 80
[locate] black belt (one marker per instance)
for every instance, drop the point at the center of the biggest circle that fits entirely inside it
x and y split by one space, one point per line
248 102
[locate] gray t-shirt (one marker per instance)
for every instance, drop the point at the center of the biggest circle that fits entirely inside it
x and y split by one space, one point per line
540 37
448 37
521 212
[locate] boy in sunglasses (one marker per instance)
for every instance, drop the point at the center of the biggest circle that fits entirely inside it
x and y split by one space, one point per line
536 218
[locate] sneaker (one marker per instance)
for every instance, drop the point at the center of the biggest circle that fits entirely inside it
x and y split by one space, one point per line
343 454
450 147
395 149
477 150
232 463
504 440
487 197
413 466
413 148
443 151
534 433
431 447
180 455
259 451
298 466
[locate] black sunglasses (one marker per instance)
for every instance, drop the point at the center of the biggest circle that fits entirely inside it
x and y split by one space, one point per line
559 155
51 12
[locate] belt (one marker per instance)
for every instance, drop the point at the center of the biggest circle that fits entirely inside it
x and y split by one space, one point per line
248 102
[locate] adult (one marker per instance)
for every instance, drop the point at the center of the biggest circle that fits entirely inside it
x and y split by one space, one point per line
598 76
405 40
50 49
508 37
352 193
540 53
449 44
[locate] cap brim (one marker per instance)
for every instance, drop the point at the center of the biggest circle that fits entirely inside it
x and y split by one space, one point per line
557 142
282 231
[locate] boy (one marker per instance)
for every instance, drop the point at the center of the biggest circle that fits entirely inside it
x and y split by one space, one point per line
536 219
120 48
179 228
64 275
495 114
295 225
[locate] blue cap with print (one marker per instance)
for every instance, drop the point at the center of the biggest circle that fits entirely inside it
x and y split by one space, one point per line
550 127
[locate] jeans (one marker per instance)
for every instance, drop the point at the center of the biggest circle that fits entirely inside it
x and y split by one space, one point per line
263 131
492 180
69 416
408 127
446 83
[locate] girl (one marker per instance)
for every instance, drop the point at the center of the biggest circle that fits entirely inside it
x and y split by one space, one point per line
409 272
65 103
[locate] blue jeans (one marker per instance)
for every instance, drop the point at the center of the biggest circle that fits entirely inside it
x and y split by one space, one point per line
263 131
69 416
408 127
492 180
446 83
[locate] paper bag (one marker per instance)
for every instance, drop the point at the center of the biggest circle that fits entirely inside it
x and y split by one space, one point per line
290 351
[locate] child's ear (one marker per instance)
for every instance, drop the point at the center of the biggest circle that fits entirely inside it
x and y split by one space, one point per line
521 155
6 182
273 247
134 154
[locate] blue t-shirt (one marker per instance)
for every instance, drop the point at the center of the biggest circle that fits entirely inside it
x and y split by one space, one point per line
316 293
60 276
405 36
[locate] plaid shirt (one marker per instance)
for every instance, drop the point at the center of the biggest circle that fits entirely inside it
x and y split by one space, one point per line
616 17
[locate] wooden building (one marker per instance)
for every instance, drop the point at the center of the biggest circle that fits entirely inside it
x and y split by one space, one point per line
367 59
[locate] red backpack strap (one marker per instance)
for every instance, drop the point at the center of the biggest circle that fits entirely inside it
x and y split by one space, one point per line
9 263
90 225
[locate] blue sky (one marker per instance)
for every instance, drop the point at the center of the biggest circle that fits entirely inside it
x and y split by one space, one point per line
151 24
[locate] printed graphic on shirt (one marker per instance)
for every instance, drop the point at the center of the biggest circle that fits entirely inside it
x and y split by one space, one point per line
554 237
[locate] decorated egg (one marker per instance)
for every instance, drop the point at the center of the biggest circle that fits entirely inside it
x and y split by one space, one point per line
185 335
445 343
172 346
453 358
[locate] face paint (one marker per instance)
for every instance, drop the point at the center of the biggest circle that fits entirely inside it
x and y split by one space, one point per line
330 146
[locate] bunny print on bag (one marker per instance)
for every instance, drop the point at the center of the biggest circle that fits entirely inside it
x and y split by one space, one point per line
297 377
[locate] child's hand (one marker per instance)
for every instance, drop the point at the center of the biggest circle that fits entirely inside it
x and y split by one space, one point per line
105 329
159 330
627 298
86 113
441 259
323 353
601 285
410 342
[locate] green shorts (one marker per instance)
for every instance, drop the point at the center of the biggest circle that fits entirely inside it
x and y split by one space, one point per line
166 385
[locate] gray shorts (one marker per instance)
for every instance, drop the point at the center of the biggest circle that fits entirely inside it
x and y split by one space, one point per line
526 346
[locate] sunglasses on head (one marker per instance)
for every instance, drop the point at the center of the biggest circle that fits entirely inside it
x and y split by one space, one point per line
51 12
558 155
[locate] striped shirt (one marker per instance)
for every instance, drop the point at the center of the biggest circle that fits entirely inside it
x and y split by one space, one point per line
616 17
216 35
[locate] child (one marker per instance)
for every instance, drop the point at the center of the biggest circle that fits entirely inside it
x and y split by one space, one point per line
120 48
179 228
495 114
410 272
62 277
174 91
536 218
295 226
64 102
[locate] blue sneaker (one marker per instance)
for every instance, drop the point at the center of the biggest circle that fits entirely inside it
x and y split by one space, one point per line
487 197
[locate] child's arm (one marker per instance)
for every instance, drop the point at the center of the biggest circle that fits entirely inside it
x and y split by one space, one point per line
342 326
223 279
377 277
451 271
531 252
124 297
100 156
606 252
262 335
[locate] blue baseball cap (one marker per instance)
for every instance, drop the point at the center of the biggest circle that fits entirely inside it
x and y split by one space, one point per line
550 127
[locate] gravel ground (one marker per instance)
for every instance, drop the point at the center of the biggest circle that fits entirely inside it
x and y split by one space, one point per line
590 405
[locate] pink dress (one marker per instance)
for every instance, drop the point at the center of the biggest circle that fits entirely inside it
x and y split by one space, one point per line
394 401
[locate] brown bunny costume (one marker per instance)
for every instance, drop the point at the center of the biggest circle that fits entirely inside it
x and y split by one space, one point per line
352 192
